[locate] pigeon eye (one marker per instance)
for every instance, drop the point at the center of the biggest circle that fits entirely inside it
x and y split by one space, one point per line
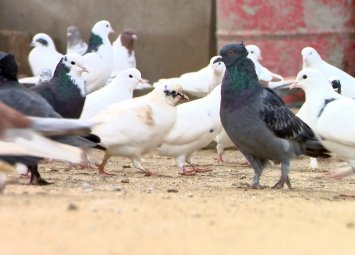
252 52
230 52
304 76
310 53
130 76
73 63
106 25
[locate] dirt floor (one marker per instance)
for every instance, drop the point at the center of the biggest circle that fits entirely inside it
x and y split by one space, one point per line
210 213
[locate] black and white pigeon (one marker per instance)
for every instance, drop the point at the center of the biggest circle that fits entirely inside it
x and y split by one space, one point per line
330 115
27 102
44 54
74 42
99 56
66 91
257 120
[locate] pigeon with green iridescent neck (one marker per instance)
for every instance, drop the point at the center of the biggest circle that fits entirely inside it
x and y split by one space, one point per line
257 120
66 91
99 56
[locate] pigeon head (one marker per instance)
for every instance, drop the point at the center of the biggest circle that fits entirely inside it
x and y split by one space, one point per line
102 28
131 76
170 92
73 35
335 82
310 56
218 67
310 79
8 67
231 52
42 40
75 63
254 52
127 37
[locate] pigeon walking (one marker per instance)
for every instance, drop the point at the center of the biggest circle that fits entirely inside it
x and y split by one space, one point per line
257 120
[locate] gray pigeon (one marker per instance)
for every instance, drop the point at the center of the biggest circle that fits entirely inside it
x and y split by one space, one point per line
257 120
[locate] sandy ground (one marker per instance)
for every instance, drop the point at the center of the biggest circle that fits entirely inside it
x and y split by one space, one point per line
210 213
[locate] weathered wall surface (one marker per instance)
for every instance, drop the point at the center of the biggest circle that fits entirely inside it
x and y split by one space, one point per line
174 36
282 28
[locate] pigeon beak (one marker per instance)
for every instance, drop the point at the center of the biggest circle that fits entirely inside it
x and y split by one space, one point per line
141 80
84 70
260 57
32 44
294 85
183 95
112 31
220 59
134 37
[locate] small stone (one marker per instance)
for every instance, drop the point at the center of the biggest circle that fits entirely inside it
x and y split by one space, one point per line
149 190
350 225
126 166
166 197
172 190
126 180
72 207
89 190
243 177
116 188
190 195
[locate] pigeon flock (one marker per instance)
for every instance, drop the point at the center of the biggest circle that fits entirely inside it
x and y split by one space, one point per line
83 101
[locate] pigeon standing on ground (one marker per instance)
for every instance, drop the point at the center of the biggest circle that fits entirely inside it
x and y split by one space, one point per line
29 103
99 57
119 89
312 59
197 123
330 115
123 51
137 126
44 55
202 82
264 74
257 120
74 42
66 91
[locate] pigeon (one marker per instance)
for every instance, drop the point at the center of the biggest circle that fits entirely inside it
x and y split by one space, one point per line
197 123
28 102
302 114
329 114
119 89
223 141
137 126
311 59
74 42
202 82
257 120
44 55
66 91
45 75
123 51
99 56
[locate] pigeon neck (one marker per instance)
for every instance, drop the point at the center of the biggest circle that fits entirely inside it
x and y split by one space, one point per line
242 75
68 81
95 42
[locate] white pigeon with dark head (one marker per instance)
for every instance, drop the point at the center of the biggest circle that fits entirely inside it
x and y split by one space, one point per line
330 115
197 123
264 74
99 57
44 55
119 89
123 51
202 82
74 42
312 59
137 126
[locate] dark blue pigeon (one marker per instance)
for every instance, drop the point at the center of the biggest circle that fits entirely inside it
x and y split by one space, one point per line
257 120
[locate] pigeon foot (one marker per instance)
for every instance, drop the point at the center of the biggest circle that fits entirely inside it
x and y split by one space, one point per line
280 184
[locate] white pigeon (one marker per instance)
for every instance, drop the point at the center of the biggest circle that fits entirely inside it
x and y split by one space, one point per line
74 42
123 51
262 72
223 142
202 82
99 59
44 55
119 89
311 59
137 126
330 115
46 75
197 123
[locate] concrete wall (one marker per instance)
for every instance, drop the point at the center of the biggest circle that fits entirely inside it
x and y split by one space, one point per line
174 36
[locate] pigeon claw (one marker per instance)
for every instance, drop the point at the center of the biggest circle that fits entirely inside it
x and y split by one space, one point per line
103 173
188 172
280 184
